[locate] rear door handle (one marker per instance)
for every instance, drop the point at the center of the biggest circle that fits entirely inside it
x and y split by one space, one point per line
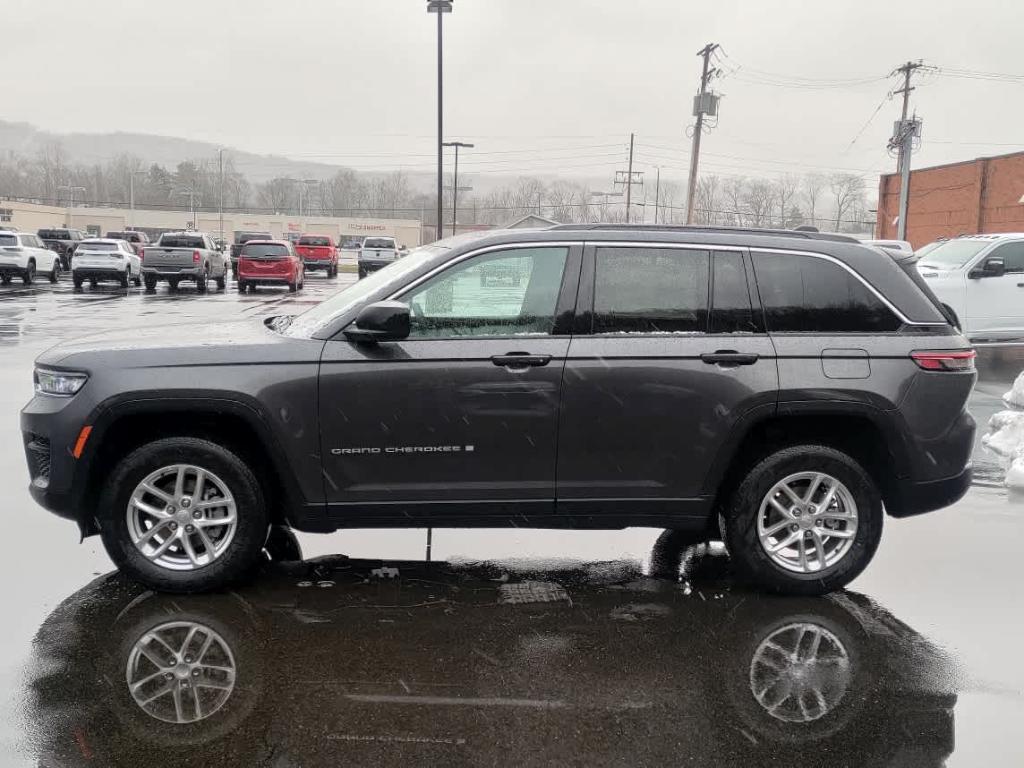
520 360
729 357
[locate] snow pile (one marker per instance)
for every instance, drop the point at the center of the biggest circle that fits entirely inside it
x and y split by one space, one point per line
1005 435
1015 397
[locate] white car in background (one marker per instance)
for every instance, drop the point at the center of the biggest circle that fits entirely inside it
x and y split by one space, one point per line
980 279
103 258
901 246
22 254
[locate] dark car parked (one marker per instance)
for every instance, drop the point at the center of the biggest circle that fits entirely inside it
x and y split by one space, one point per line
63 241
241 238
774 388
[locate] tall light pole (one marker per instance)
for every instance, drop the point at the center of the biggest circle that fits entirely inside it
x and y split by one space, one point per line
440 7
455 178
131 196
220 205
191 192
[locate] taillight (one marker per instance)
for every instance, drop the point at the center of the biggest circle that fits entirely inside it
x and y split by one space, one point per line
956 360
195 257
142 253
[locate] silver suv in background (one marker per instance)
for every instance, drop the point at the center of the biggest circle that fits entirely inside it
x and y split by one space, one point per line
178 256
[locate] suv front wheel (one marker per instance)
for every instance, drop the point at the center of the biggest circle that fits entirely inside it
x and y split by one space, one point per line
805 520
183 514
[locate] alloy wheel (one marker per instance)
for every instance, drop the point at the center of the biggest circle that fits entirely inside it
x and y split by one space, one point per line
182 517
807 522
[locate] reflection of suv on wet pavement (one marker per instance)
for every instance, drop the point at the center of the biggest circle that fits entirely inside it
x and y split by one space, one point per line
774 388
439 666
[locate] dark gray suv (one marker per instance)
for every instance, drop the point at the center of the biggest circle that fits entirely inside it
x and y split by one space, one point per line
780 390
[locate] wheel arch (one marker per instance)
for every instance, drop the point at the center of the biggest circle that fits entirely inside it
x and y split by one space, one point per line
123 424
867 434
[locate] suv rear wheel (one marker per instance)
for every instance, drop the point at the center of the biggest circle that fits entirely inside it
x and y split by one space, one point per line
183 514
805 520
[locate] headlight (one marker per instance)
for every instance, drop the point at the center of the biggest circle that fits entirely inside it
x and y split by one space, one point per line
65 383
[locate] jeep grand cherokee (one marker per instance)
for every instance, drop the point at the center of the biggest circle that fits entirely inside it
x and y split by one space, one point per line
782 390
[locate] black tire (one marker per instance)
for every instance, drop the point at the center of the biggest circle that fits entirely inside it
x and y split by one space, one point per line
754 564
362 273
172 283
332 271
292 287
242 286
222 282
5 279
126 278
282 544
93 282
202 280
241 555
29 275
150 284
137 280
55 271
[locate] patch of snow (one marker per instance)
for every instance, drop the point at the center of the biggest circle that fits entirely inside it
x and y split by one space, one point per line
1015 397
1005 435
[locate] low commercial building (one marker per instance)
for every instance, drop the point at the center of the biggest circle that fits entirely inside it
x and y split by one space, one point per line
974 196
30 217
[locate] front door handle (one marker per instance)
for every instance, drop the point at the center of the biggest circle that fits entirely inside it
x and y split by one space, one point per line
520 360
729 357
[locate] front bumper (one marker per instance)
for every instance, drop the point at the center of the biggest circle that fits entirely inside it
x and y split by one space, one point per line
50 427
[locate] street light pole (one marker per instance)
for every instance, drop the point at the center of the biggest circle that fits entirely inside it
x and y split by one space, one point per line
131 196
220 206
440 7
71 199
455 178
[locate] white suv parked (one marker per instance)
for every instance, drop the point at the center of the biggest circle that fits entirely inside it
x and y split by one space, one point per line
103 258
980 278
23 255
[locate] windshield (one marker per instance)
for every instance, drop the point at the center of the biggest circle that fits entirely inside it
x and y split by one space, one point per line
88 246
378 242
952 254
309 322
264 251
314 241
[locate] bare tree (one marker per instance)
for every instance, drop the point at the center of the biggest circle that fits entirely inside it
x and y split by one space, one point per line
847 194
708 200
811 187
759 198
734 191
785 193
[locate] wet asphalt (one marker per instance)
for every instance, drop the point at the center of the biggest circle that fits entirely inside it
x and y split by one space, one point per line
512 647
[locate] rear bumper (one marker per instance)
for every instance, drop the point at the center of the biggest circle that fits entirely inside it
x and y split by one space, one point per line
109 272
189 273
916 498
372 265
12 269
312 265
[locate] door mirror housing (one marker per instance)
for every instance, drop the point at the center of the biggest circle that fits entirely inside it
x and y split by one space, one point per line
381 321
994 267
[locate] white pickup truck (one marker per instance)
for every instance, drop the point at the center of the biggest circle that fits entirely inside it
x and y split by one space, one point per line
183 256
376 252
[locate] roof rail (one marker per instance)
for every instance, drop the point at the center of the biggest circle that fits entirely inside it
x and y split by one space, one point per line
704 229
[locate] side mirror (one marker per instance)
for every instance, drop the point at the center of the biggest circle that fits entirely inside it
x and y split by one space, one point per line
382 321
994 267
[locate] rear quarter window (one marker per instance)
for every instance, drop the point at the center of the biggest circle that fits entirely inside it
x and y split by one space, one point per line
806 294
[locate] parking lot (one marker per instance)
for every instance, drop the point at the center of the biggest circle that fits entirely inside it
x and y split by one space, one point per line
558 647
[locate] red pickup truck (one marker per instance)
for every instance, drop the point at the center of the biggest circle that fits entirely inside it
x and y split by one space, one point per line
318 252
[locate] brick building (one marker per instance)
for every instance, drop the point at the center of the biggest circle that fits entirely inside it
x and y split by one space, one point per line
982 195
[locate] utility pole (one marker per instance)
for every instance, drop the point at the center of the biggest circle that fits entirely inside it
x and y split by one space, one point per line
627 179
629 173
455 179
440 7
657 190
904 133
703 104
220 158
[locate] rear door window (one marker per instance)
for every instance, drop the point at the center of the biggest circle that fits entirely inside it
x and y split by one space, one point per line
806 294
651 290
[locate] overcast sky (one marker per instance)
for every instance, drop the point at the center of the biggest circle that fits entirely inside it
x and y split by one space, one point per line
537 85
